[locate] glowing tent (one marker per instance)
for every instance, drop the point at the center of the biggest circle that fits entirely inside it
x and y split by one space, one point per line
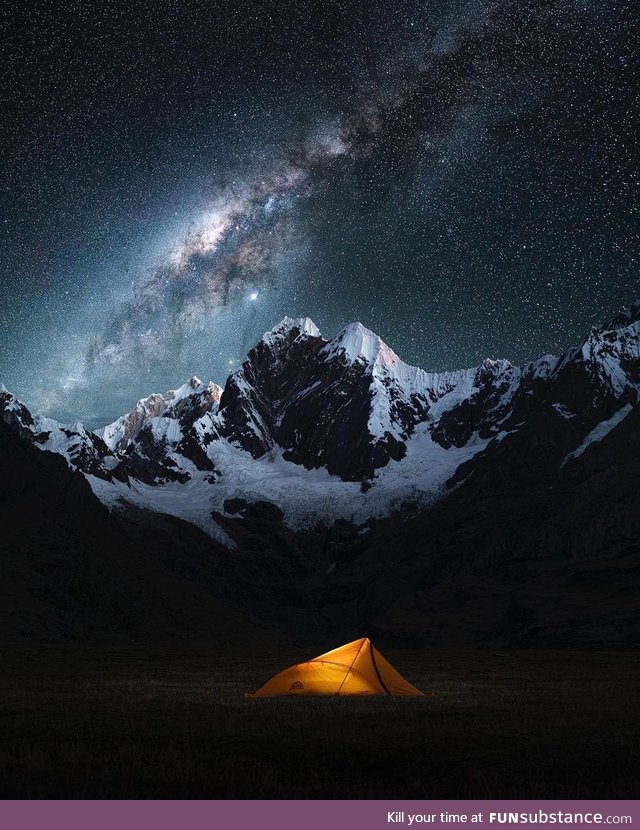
356 668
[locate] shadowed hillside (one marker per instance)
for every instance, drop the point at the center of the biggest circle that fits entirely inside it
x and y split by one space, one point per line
506 558
71 572
512 555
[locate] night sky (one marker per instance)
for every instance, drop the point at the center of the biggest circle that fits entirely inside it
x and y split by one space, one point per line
177 176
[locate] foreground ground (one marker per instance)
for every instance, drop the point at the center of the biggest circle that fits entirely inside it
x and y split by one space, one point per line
80 724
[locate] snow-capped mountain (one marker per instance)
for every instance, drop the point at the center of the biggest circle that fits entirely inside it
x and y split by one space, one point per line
192 400
158 437
343 428
348 405
83 449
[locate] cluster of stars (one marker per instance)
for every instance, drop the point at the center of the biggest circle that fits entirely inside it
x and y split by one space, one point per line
460 176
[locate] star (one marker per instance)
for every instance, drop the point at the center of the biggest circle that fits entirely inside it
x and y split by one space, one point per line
166 200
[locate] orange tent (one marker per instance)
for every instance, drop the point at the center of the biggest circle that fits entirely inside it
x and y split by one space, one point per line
356 668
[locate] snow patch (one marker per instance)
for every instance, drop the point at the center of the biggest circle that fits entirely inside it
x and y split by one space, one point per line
305 326
600 432
561 409
355 341
189 501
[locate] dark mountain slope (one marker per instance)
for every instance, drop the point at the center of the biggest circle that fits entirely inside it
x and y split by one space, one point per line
515 553
71 572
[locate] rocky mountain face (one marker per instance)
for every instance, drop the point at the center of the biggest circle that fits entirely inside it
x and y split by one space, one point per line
139 445
356 490
84 450
159 427
349 406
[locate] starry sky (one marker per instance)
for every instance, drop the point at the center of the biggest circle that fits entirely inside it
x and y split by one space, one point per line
178 175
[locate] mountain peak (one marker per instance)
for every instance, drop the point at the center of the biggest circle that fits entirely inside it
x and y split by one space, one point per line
305 326
356 341
625 317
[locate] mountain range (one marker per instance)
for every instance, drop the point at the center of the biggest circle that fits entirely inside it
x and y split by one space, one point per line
330 486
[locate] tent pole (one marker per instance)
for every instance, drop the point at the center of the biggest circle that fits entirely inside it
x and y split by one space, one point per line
351 666
375 666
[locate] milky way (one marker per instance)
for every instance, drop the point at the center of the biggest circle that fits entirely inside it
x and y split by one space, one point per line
458 176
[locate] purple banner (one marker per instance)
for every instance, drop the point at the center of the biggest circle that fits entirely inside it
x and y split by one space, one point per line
310 815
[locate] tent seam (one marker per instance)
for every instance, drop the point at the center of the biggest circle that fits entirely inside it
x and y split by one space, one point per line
364 640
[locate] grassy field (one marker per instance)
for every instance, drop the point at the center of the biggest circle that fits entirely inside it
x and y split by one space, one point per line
80 724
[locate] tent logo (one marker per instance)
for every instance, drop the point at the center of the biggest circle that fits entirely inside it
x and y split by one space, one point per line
296 686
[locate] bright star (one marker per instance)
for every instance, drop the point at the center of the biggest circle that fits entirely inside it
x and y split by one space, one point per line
253 295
